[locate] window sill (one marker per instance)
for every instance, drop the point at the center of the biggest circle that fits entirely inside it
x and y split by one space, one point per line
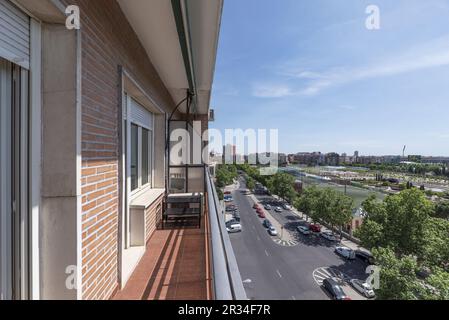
145 198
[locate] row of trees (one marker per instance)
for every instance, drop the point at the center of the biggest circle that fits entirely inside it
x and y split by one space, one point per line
326 205
415 168
405 237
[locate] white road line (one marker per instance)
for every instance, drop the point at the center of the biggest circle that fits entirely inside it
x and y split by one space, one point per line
279 274
266 252
293 298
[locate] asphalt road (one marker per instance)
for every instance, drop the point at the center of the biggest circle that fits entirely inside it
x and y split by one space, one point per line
274 272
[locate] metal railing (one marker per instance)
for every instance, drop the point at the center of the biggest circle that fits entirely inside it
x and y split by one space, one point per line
227 283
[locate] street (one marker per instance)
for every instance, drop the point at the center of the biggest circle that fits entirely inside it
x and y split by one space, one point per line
272 271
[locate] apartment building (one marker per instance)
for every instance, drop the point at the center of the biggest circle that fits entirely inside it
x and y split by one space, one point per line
86 119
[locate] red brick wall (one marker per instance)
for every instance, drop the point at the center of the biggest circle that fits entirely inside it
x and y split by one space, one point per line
107 42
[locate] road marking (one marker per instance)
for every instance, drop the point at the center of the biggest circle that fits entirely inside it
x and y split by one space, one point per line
258 238
279 274
293 298
266 252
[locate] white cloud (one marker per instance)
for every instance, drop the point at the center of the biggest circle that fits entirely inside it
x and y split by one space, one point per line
270 91
429 55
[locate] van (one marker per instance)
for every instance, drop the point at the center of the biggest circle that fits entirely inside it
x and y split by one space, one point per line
233 228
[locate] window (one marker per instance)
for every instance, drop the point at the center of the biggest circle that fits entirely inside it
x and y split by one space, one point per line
140 149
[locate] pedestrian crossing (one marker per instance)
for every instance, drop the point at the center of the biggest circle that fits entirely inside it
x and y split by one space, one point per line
286 243
320 274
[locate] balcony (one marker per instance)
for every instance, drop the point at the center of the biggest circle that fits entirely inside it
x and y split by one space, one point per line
185 261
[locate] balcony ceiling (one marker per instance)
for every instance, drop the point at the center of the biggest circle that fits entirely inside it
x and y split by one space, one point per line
155 24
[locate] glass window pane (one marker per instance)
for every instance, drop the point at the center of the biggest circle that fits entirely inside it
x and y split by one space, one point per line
145 156
134 156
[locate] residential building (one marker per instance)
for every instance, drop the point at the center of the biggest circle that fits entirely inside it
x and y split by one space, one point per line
86 169
332 159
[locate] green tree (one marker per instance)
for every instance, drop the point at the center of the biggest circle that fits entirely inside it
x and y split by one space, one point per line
442 210
399 222
397 276
250 183
282 185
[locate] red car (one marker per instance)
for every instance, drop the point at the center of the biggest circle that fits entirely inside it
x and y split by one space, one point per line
256 206
261 215
227 192
315 228
259 210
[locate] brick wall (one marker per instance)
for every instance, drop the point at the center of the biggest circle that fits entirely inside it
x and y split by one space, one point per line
107 42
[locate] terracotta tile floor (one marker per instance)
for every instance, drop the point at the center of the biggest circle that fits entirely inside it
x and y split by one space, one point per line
174 267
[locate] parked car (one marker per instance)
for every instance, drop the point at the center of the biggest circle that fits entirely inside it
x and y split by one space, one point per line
256 206
267 223
231 208
259 210
328 236
287 206
334 289
267 207
230 222
228 199
365 256
315 228
345 252
234 228
227 192
363 288
272 231
304 230
278 209
262 215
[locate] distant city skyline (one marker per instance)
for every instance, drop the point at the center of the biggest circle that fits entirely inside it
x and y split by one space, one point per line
315 73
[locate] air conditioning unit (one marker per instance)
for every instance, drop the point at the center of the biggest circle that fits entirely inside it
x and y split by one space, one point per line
211 115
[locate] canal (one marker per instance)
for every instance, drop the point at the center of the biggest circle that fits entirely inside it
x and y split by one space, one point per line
358 194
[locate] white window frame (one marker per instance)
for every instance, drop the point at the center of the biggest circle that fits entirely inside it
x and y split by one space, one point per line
129 121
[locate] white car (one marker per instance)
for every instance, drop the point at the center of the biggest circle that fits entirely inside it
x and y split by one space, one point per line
278 209
304 230
363 288
328 236
233 228
267 207
345 252
272 231
287 207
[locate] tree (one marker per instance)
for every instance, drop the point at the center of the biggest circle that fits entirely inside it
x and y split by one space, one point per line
341 209
399 222
398 280
306 202
435 250
250 184
442 210
282 184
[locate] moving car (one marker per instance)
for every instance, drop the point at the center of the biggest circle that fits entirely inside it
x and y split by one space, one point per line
272 231
267 207
267 223
278 209
234 227
363 288
304 230
328 236
334 289
315 228
345 252
365 256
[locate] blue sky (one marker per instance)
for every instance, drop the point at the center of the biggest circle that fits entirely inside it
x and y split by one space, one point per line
313 71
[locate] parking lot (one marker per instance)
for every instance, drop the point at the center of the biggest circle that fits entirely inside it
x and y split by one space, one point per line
273 270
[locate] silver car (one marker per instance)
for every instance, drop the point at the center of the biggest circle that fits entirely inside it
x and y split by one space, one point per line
363 288
272 231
